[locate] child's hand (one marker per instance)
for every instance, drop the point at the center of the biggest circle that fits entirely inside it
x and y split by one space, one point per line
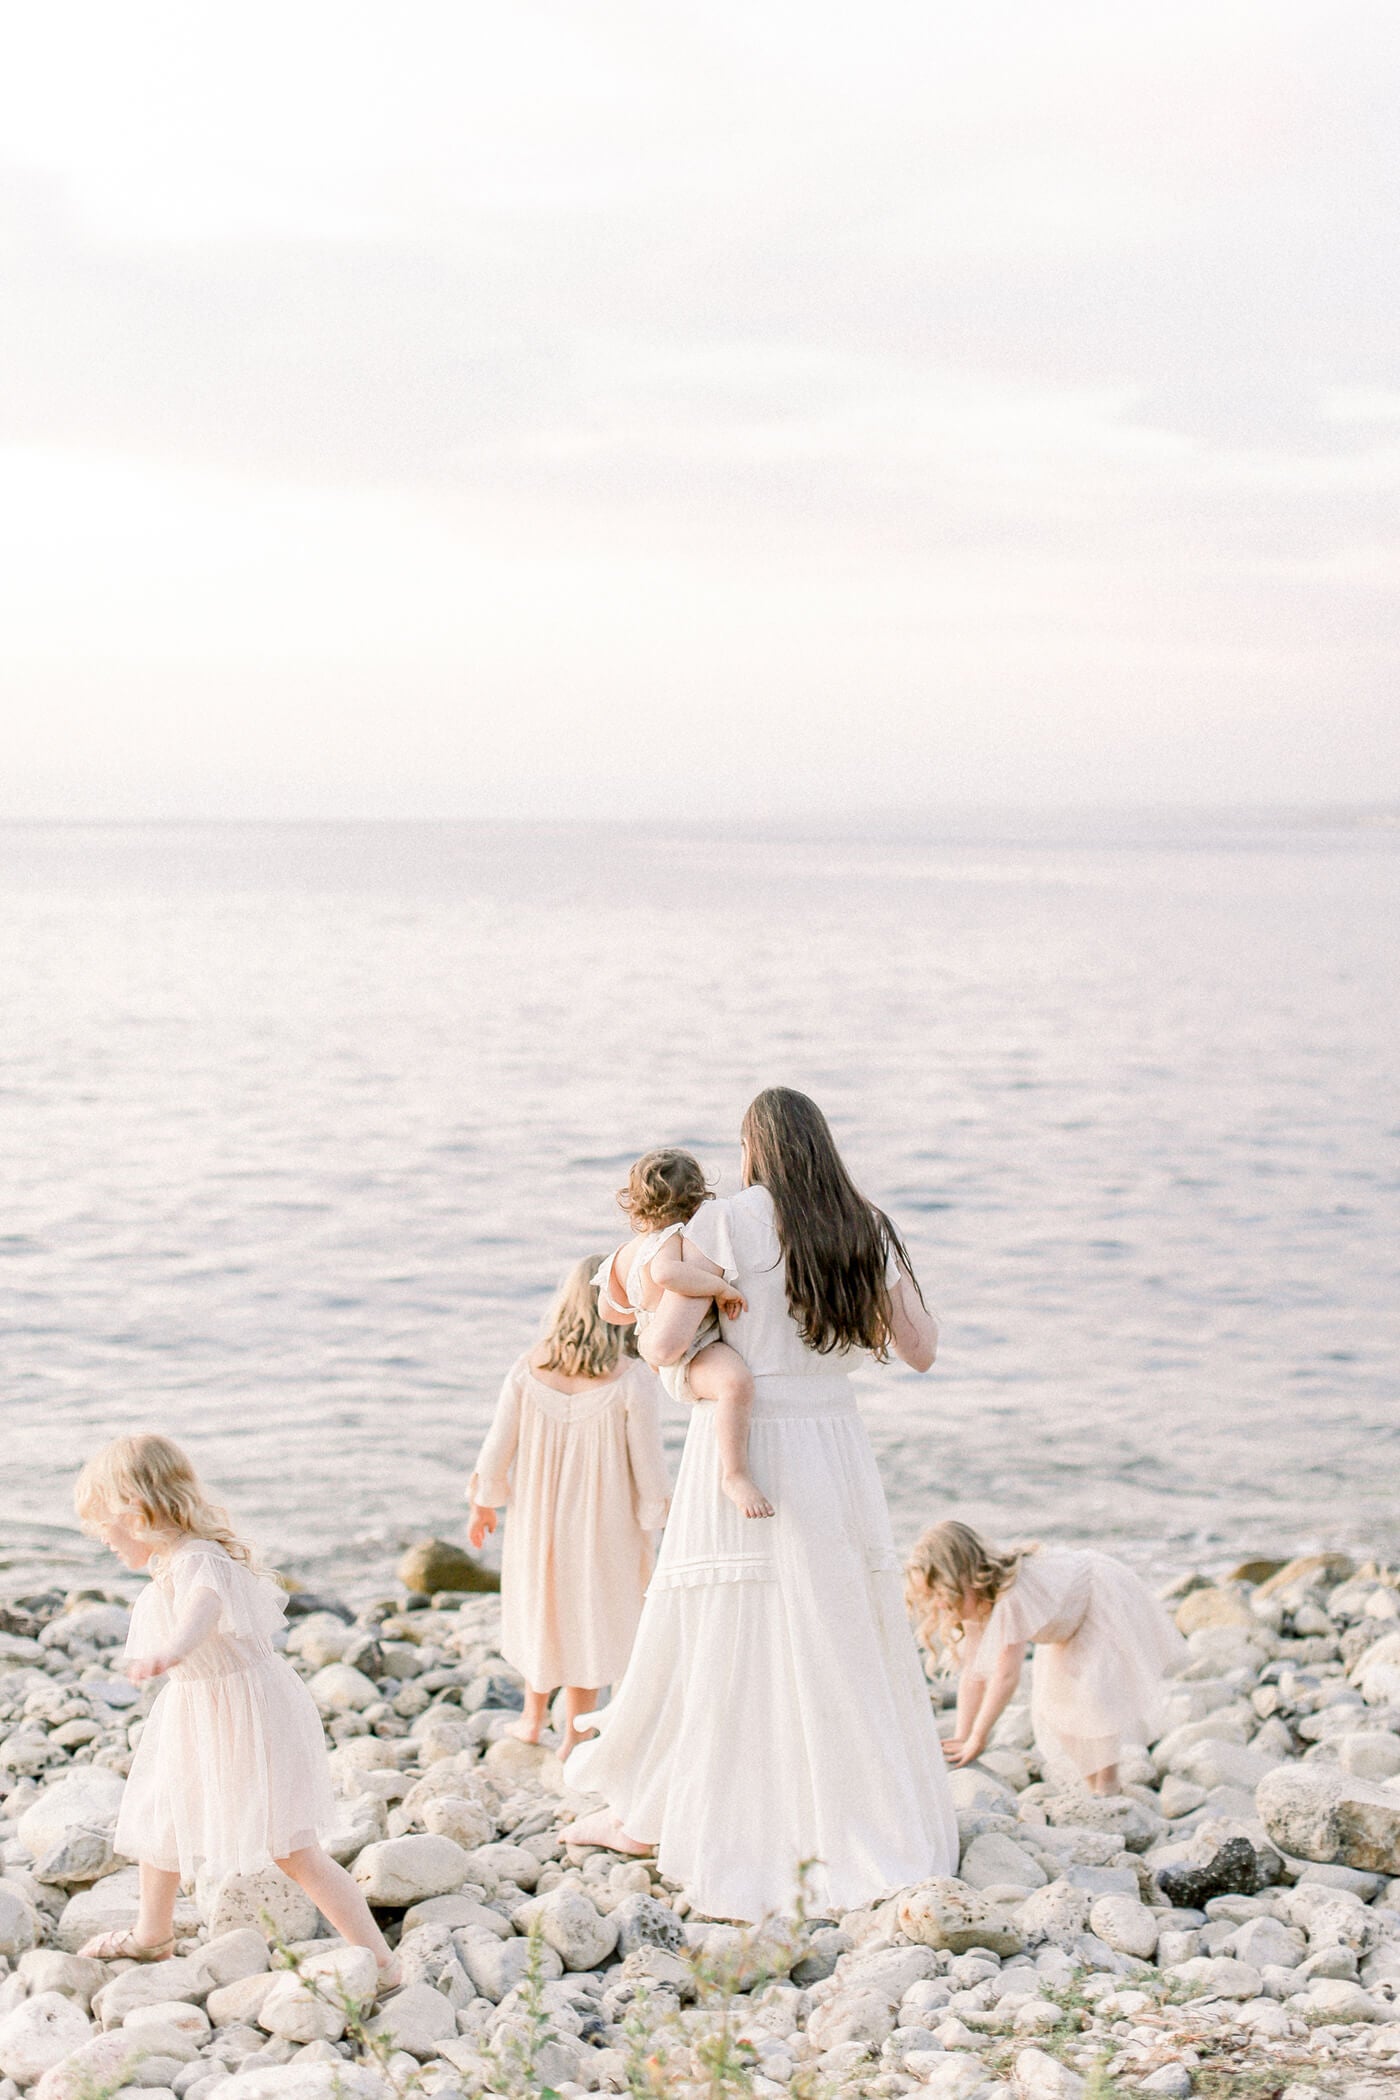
963 1750
483 1523
730 1301
150 1666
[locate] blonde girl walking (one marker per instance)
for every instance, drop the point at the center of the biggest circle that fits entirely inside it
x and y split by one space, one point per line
231 1770
1103 1645
664 1191
574 1453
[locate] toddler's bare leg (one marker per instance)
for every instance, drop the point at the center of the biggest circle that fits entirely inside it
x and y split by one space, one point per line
720 1374
579 1700
340 1899
531 1723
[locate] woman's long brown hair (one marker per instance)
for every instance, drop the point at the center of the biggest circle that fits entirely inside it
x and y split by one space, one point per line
835 1243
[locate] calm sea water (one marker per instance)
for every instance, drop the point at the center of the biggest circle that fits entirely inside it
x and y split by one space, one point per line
300 1125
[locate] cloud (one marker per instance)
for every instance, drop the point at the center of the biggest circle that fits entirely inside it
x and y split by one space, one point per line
1023 355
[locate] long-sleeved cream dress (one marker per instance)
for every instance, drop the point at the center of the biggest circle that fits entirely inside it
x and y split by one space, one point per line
583 1479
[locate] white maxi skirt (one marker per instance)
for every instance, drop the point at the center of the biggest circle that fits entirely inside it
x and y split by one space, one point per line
774 1714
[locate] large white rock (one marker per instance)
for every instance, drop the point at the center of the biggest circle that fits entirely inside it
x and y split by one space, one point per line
1219 1762
404 1870
1056 1914
851 2016
995 1861
1219 1976
571 1924
1042 2077
77 1976
416 2019
1369 1754
148 1983
1339 2001
41 2031
1125 1925
266 1901
19 1927
321 1638
303 2080
299 2014
190 2020
342 1689
1266 1943
891 1971
465 1822
946 1913
233 1955
496 1966
238 2004
87 1798
1317 1811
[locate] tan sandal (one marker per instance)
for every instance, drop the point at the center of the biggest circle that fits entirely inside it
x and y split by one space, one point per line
124 1946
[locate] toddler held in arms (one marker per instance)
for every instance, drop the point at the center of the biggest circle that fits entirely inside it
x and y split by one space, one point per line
231 1772
1102 1646
664 1190
575 1454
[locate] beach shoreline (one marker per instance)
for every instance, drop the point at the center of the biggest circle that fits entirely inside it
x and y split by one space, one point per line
1238 1904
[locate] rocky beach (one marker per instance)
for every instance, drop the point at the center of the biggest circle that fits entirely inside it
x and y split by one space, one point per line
1229 1924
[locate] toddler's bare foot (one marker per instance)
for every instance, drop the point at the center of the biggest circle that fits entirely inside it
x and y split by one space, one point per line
524 1731
747 1498
572 1737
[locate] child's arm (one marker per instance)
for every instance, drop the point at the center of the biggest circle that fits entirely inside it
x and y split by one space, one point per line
670 1270
489 1487
198 1623
987 1698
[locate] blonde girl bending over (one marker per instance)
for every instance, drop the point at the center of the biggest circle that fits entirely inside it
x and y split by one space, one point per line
1102 1646
231 1771
664 1191
575 1453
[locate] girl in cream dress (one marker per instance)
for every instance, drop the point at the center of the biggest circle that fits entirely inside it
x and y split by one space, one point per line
574 1453
231 1772
1103 1645
775 1712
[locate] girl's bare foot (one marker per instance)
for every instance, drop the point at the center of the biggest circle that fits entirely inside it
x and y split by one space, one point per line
524 1731
747 1498
572 1737
603 1829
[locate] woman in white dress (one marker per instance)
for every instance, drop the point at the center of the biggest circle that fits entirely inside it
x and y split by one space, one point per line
774 1714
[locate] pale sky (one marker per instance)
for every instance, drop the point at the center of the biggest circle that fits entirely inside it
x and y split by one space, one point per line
443 409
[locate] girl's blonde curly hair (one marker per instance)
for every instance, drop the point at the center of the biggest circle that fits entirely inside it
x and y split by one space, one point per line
950 1562
578 1341
149 1481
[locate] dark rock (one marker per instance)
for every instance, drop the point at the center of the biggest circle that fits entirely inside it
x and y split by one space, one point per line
366 1655
434 1565
643 1922
1236 1870
301 1603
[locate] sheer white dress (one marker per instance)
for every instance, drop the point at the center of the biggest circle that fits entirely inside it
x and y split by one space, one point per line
1103 1647
775 1711
231 1769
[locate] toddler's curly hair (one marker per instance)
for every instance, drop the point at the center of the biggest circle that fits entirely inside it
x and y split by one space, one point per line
664 1188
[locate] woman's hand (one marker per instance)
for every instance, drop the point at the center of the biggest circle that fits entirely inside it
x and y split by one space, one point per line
481 1525
963 1750
150 1666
